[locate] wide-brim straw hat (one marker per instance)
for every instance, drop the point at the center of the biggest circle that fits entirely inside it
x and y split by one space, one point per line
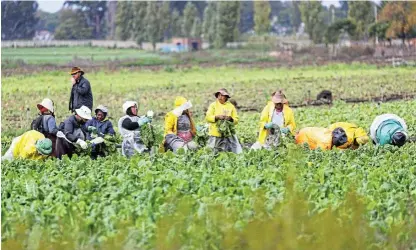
76 70
222 92
278 98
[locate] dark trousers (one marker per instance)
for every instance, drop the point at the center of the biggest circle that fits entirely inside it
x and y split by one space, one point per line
63 148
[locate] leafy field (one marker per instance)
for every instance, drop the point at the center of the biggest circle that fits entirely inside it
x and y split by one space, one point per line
292 198
70 55
156 89
13 58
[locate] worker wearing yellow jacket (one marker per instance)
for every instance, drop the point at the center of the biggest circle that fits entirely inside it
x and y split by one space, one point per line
323 138
179 126
276 112
31 145
222 110
356 136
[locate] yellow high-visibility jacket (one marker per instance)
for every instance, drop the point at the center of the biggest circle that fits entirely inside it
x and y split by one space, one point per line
354 133
171 124
266 117
315 137
25 146
216 108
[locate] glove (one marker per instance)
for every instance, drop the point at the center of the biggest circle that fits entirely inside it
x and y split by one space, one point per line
268 125
82 144
285 130
144 120
97 140
150 113
60 134
92 129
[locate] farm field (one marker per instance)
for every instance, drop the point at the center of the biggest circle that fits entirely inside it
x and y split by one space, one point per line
68 55
62 56
292 198
156 90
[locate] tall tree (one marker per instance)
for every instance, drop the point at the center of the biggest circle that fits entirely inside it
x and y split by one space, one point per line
402 18
228 18
176 23
337 28
362 13
313 17
261 17
246 16
189 14
152 25
180 6
343 8
196 28
94 12
18 19
156 21
73 26
296 18
164 18
110 18
124 19
209 14
47 21
138 25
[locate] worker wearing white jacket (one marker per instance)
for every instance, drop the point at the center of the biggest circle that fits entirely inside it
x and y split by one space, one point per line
389 129
129 128
72 132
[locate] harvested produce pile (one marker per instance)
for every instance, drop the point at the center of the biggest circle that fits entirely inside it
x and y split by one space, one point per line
226 128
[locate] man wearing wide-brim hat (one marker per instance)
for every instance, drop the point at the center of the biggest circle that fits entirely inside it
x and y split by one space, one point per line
222 110
81 93
74 132
277 112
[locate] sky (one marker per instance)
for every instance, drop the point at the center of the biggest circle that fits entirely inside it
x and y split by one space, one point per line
50 6
54 6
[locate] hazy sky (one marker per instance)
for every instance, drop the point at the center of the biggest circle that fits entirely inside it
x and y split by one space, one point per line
54 6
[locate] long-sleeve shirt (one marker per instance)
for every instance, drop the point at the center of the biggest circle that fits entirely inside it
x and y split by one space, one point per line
81 95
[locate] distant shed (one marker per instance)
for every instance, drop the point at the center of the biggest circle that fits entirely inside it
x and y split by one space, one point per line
187 43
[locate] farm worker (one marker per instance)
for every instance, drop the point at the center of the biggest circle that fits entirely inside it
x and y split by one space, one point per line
81 93
99 126
129 128
323 138
46 122
276 113
179 127
389 129
222 110
73 132
356 136
31 145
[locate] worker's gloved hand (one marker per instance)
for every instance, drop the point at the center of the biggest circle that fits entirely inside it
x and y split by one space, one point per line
60 134
150 113
268 125
144 120
82 144
92 129
285 130
97 140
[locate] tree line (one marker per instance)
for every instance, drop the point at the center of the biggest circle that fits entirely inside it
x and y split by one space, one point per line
216 22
